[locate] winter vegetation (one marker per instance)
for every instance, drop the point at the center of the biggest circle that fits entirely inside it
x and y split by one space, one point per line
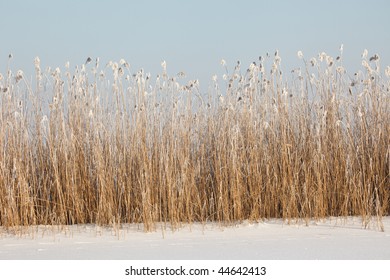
110 145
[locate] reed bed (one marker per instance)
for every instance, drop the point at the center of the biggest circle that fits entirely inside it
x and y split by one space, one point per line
110 145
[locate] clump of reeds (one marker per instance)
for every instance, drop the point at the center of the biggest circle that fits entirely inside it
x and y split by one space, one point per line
112 145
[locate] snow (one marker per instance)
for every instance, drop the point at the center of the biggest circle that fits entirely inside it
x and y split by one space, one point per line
330 239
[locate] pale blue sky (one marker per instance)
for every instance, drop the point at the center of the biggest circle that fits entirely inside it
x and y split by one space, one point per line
191 36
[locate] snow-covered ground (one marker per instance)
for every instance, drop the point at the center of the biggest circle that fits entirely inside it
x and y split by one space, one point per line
274 240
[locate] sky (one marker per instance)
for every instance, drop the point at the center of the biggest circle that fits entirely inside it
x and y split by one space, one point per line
191 36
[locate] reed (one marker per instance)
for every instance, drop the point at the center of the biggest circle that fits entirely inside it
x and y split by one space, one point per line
111 145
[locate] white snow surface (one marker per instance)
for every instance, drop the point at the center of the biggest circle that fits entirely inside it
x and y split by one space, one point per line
330 239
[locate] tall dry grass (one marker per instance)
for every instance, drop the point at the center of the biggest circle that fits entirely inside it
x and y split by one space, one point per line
107 145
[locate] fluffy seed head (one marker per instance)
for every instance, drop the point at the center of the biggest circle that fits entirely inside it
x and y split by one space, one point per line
97 62
37 62
387 71
181 74
374 58
19 75
364 54
322 56
164 65
340 70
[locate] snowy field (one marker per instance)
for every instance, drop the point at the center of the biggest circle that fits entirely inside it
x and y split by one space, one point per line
331 239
